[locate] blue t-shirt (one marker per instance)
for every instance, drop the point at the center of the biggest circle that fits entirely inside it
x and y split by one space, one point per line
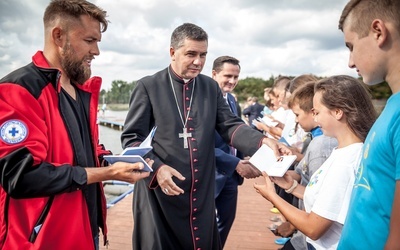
368 218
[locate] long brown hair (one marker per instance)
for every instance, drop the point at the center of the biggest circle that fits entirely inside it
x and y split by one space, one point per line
353 98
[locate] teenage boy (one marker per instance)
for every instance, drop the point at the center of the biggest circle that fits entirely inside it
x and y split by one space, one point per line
372 34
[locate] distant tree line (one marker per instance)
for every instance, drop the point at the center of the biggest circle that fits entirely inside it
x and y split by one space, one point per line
121 91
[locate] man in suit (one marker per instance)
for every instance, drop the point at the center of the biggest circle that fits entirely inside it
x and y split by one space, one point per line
230 168
253 111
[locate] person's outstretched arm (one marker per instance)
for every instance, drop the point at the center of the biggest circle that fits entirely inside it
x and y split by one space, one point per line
121 171
310 224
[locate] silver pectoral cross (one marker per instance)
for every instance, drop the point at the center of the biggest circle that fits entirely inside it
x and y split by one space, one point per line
185 135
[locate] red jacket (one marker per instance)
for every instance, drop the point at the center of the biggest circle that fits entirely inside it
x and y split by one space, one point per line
31 118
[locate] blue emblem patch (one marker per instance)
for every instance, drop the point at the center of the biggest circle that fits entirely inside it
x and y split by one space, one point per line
13 131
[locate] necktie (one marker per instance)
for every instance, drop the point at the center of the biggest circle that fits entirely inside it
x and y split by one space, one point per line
232 149
226 99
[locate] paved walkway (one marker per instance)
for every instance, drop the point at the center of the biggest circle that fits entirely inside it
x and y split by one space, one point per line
249 231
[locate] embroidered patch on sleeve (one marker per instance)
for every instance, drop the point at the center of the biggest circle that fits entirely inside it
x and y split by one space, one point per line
13 132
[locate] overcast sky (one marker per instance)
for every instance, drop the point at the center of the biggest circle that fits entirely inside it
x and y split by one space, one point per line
269 37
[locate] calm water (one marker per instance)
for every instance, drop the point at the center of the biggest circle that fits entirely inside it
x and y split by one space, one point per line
111 138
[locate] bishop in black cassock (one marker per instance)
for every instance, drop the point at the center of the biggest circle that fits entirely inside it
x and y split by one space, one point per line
186 221
174 207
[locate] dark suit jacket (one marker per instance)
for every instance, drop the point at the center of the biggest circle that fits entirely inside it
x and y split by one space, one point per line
253 111
226 162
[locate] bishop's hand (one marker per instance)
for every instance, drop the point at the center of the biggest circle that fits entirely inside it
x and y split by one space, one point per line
278 148
165 182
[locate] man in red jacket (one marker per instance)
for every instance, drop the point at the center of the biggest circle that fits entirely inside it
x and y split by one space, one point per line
51 195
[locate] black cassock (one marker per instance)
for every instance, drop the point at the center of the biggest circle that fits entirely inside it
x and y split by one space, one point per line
186 221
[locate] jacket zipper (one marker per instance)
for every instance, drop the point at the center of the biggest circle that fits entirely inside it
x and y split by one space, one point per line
40 221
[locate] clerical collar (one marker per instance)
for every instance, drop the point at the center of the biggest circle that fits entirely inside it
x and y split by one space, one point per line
317 131
178 78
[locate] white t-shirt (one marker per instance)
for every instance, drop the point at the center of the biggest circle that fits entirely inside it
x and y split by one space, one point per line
280 115
329 190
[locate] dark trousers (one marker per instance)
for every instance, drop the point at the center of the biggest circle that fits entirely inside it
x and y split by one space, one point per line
289 198
96 242
288 246
225 202
310 247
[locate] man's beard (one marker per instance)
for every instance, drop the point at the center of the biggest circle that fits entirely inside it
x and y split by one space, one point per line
74 68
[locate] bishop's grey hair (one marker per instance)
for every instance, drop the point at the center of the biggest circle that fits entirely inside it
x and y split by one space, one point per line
187 31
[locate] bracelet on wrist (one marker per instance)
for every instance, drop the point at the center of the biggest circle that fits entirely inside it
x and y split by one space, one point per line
294 185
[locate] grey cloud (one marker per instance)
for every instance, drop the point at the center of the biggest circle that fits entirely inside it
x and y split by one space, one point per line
290 4
137 41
